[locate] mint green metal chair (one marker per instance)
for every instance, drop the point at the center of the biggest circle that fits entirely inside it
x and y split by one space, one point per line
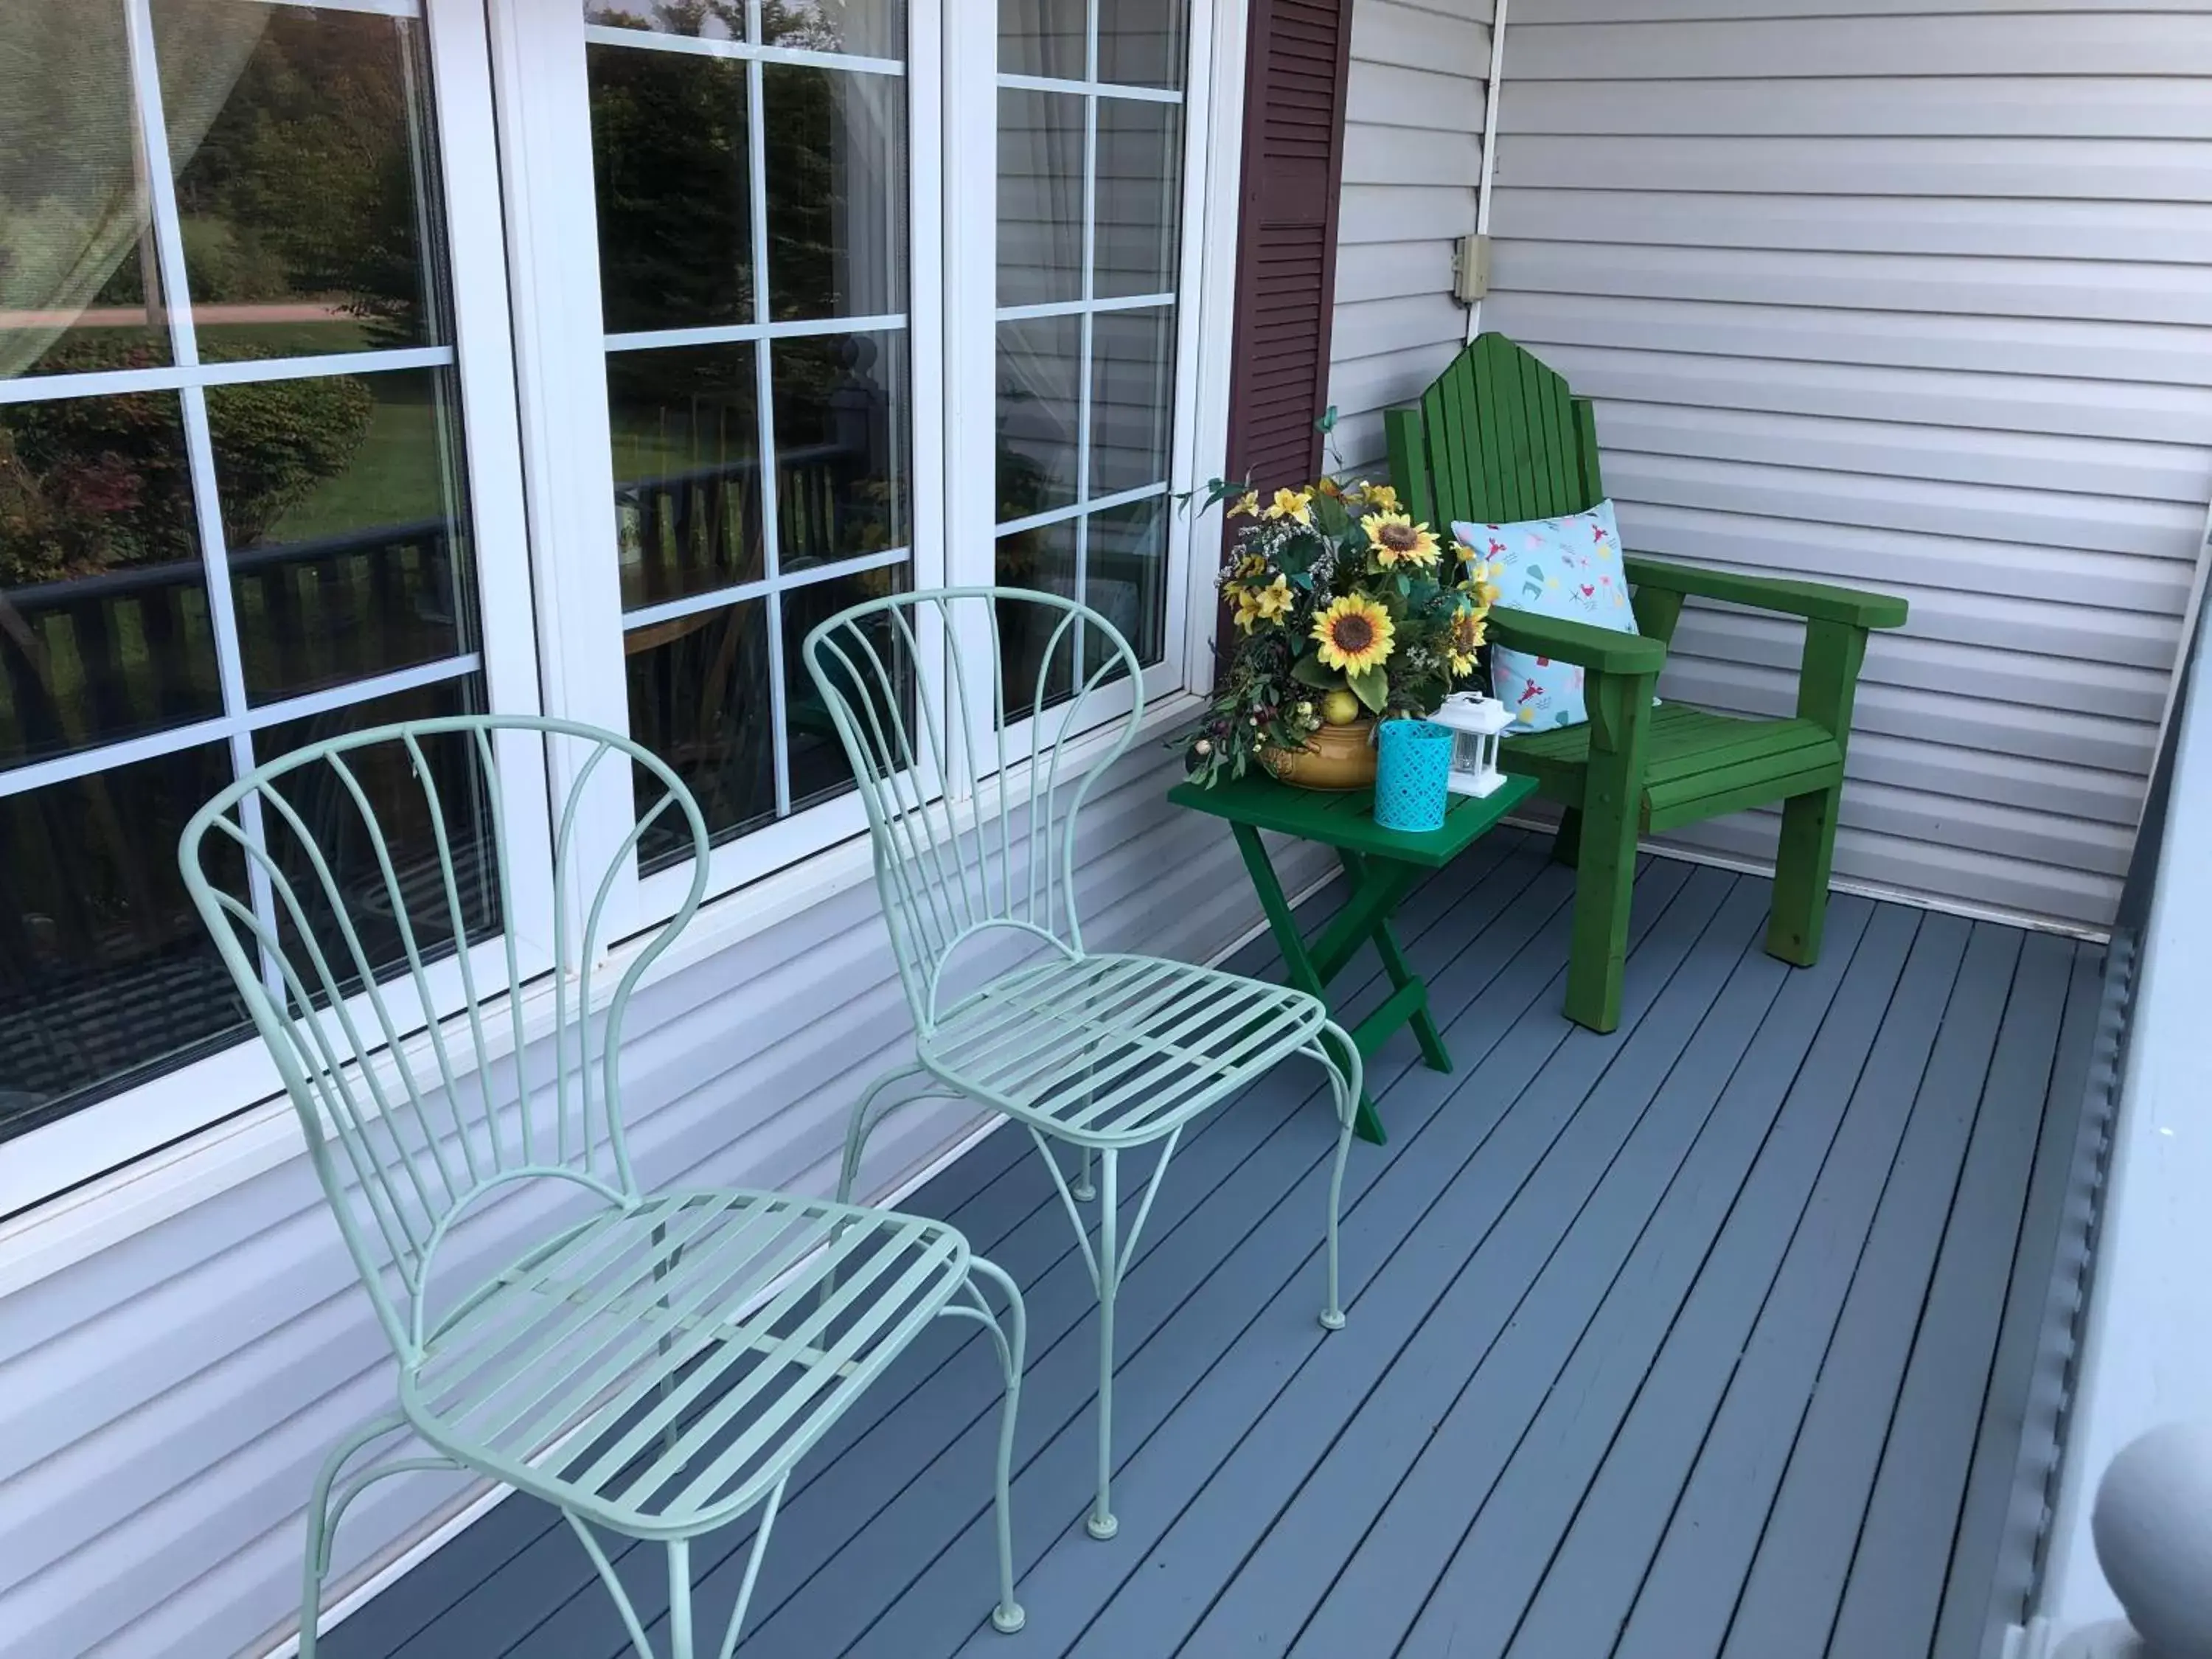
657 1363
972 803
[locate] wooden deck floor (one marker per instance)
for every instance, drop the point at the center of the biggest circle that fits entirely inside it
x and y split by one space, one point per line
1668 1343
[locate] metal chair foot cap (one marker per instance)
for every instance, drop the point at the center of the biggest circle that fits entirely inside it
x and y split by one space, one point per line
1332 1319
1009 1619
1083 1194
1102 1527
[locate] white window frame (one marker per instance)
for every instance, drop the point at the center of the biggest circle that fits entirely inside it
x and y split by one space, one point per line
132 1122
507 82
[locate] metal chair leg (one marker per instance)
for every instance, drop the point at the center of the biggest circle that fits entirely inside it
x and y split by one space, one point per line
1348 1080
1102 1523
1013 1345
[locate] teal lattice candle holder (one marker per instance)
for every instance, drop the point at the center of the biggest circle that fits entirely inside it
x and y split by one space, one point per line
1413 775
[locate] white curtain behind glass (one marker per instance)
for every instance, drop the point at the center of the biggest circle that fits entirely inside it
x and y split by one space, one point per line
73 197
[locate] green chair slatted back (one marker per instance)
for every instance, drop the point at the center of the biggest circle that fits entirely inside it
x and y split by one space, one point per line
359 887
964 775
1505 440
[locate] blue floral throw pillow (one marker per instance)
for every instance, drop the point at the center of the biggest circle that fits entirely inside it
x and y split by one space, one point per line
1567 567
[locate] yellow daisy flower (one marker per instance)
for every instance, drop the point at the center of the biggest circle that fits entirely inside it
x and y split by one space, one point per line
1355 634
1274 601
1247 504
1397 539
1292 504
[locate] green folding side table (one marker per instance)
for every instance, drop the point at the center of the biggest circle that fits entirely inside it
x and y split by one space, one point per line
1381 867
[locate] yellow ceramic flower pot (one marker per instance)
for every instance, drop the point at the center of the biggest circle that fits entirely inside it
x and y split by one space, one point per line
1336 757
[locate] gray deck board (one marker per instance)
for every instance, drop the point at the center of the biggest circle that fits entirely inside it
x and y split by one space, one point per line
1666 1343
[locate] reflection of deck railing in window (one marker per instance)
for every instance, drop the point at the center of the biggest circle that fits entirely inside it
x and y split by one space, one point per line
698 529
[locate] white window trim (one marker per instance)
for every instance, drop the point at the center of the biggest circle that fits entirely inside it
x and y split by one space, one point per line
124 1164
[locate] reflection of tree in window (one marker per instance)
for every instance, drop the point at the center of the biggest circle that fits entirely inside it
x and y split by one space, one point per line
307 187
668 138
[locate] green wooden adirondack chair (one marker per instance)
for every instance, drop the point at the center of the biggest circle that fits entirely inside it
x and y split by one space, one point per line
1500 437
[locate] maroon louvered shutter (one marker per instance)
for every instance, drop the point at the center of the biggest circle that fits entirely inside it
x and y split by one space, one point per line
1286 258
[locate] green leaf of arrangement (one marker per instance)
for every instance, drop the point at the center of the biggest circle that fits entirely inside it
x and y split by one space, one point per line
1329 516
1311 670
1372 687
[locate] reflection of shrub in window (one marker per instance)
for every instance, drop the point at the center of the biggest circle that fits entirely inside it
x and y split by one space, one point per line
89 484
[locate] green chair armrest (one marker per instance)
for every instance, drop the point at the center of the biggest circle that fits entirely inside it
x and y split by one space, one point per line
1814 601
1598 649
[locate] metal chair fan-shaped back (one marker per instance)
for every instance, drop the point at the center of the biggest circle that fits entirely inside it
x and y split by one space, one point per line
971 802
354 886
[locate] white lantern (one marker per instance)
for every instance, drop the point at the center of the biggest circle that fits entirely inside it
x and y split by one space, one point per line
1476 724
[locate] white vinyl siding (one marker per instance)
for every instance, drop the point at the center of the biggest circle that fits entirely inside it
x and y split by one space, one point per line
1908 295
164 1403
1412 162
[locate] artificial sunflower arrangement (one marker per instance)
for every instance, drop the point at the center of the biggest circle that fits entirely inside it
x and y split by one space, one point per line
1344 608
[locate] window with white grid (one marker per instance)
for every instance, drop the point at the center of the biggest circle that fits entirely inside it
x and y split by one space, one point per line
1090 184
236 510
751 171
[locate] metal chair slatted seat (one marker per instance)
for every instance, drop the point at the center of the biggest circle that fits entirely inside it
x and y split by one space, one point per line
656 1366
973 803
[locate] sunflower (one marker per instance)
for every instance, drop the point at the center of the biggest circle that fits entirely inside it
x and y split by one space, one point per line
1292 504
1355 634
1397 539
1247 504
1262 605
1466 636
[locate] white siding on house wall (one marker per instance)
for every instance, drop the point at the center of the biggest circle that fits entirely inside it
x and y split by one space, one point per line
1908 295
1413 155
164 1402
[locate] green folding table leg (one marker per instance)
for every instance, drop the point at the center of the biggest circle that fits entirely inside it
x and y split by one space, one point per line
1378 886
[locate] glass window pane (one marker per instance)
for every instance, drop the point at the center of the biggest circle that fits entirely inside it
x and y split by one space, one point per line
1125 576
873 28
1040 366
698 699
1035 655
75 251
674 189
836 193
1132 398
1044 37
401 802
107 975
687 470
1141 42
843 477
819 768
103 630
1139 197
345 513
1040 196
706 20
307 190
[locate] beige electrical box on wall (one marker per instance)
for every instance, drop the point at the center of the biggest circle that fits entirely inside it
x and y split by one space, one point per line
1470 269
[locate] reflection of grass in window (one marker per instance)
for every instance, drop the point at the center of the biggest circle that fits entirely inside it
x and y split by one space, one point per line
394 477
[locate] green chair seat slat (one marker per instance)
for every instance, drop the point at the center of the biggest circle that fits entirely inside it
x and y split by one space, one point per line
1694 755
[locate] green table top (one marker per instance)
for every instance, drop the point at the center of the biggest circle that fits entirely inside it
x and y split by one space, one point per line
1348 819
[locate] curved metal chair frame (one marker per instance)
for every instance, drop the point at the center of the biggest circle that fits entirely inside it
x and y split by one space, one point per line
656 1366
972 809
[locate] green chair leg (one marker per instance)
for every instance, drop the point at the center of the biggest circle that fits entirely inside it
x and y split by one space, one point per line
1567 842
1605 865
1800 877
